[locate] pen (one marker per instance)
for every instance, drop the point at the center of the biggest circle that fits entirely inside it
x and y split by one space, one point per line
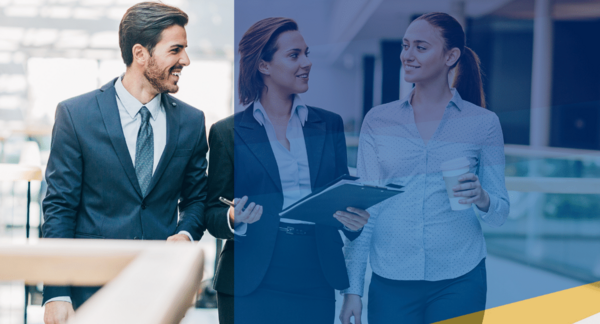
227 202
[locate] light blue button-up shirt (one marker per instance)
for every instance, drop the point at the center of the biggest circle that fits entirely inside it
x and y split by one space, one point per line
415 235
293 163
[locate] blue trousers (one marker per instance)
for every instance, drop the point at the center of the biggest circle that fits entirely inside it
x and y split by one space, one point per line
293 291
420 301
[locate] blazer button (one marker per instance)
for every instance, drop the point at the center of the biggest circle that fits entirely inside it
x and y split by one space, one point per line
143 206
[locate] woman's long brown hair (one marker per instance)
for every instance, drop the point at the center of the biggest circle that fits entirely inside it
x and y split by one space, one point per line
259 43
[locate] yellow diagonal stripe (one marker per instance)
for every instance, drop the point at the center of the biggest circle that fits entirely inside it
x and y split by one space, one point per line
562 307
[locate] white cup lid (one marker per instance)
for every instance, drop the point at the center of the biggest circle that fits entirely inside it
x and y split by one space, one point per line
455 164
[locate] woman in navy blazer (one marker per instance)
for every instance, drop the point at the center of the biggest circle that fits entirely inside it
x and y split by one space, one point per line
282 271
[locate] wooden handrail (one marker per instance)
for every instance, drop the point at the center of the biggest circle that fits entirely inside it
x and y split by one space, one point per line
529 151
554 185
550 152
149 282
33 130
18 172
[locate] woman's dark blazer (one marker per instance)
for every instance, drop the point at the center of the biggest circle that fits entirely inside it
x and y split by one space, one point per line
242 163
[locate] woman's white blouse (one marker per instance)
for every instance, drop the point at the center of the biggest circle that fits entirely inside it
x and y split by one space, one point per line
415 235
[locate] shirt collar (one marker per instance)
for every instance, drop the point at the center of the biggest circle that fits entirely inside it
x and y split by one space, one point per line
298 108
132 105
455 101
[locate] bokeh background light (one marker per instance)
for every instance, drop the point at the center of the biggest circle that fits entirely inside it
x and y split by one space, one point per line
52 50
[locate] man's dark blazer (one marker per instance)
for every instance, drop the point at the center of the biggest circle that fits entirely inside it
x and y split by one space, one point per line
242 163
93 191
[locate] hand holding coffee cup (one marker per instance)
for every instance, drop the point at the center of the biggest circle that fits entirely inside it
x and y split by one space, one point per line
463 188
471 187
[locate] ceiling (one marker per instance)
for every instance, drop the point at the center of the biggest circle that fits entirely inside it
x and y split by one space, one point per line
89 28
562 9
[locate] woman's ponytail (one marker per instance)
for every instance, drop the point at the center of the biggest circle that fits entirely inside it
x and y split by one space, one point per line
467 78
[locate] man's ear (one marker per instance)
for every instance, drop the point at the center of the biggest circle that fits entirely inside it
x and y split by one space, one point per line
140 54
263 67
452 56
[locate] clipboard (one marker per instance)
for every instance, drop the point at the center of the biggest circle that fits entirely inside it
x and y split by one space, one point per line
344 192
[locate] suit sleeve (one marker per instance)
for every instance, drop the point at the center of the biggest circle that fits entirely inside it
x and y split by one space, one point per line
64 176
341 162
341 154
193 191
220 182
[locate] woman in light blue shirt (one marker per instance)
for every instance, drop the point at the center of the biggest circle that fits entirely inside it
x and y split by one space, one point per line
428 261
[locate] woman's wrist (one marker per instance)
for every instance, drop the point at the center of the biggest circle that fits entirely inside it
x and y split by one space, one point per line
231 216
484 205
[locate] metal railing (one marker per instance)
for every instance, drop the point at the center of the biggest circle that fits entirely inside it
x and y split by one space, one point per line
554 222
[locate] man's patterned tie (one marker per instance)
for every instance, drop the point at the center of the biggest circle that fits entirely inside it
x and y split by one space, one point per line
144 151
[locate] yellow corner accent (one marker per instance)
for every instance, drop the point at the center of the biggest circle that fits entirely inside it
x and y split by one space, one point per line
562 307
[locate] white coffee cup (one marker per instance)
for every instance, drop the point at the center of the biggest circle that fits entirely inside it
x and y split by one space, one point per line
451 171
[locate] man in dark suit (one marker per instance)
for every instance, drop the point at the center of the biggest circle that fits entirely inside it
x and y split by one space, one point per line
127 157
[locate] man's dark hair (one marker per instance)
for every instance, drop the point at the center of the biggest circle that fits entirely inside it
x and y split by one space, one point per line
143 24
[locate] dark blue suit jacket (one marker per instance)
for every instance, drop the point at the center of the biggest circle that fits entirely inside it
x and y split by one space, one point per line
256 175
93 191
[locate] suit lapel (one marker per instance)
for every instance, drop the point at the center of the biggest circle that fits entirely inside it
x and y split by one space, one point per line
107 101
172 112
255 138
315 132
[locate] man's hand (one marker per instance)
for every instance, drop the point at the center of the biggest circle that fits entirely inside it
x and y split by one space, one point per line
58 312
249 215
352 307
178 238
354 219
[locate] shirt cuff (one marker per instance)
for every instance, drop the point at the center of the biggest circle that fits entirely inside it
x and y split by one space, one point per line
483 214
354 231
60 298
350 291
240 229
228 222
188 235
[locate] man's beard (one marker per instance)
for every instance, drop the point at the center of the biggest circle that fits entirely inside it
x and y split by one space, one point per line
159 79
